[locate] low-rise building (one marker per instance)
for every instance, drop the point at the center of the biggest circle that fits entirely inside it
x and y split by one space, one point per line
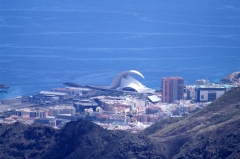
202 82
81 105
31 112
208 93
61 109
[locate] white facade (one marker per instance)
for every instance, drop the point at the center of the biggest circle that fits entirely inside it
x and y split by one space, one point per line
125 81
139 103
31 112
202 82
206 94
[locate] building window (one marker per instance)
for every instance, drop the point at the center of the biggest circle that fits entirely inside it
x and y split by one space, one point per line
202 96
212 96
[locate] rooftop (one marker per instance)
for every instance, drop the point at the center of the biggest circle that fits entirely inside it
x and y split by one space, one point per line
53 93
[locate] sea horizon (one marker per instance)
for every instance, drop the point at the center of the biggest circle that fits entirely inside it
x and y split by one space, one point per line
44 44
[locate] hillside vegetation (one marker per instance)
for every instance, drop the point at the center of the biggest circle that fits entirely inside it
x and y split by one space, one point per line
212 132
19 141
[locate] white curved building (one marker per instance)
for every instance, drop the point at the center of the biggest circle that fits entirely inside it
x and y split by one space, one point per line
123 81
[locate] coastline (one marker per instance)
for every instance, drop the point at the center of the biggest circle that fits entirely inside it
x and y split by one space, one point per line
233 78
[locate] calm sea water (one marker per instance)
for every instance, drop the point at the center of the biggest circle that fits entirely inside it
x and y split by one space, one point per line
43 44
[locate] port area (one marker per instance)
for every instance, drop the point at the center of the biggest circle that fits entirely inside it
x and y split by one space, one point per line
12 104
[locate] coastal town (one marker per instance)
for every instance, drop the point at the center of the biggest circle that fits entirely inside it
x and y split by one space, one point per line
125 105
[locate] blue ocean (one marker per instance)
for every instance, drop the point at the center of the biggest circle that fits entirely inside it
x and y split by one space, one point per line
45 43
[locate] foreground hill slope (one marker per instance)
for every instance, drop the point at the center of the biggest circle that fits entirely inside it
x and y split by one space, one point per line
19 141
84 139
213 132
80 139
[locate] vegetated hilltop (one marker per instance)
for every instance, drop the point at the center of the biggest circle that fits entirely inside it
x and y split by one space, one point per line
213 132
84 139
19 141
80 139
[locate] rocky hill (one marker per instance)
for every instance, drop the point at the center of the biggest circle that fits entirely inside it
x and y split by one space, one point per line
19 141
232 78
81 139
213 132
84 139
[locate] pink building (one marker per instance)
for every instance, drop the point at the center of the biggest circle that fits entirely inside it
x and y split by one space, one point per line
172 89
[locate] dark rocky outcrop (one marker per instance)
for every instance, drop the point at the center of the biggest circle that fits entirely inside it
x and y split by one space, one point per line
232 78
23 141
84 139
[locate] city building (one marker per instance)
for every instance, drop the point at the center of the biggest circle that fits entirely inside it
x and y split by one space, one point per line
117 105
31 112
154 98
208 93
44 121
172 89
123 81
81 105
64 90
152 110
69 117
144 118
73 90
139 104
202 82
50 93
190 92
61 109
